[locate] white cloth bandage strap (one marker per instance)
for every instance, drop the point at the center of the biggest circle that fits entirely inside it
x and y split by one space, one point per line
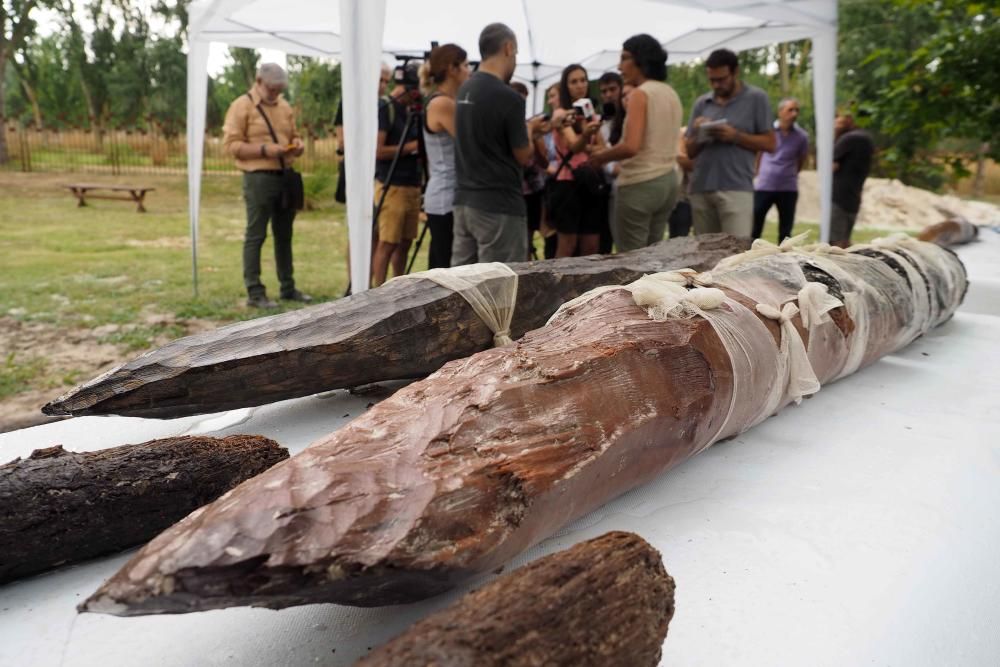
761 248
933 262
815 303
491 290
678 278
920 297
801 380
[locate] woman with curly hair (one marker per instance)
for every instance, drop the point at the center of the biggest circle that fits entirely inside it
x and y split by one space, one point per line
649 182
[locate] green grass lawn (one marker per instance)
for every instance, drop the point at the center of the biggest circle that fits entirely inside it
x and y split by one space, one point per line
106 263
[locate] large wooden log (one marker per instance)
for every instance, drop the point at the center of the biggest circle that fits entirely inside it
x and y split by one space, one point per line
458 473
604 602
59 507
953 231
401 330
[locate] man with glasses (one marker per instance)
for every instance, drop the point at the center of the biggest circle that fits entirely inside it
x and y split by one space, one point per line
778 172
728 127
262 155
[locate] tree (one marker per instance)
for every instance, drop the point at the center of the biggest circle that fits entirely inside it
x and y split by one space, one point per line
314 86
236 79
918 72
16 27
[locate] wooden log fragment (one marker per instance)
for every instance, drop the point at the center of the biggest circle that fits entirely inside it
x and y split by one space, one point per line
953 231
403 329
59 507
604 602
458 473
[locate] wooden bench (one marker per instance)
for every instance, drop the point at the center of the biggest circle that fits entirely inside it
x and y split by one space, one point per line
137 195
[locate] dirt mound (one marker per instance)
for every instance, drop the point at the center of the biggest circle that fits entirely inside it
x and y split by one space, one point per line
888 204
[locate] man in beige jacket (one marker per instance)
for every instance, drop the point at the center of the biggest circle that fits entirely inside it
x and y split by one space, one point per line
261 159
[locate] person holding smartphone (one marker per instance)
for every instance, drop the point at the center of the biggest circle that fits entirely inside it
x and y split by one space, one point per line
260 133
728 127
579 192
648 181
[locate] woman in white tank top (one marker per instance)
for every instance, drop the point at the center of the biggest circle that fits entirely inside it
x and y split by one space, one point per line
440 77
648 183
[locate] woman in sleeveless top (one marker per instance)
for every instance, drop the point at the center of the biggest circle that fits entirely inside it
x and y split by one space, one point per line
579 208
441 75
648 183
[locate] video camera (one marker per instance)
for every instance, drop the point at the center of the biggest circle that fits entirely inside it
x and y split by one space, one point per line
407 73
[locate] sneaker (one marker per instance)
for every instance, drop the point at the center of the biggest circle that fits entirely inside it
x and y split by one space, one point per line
297 296
261 301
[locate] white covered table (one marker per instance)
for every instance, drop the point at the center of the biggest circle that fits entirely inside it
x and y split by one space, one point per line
857 528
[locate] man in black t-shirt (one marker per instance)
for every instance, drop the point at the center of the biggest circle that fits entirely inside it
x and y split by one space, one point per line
491 148
852 160
400 215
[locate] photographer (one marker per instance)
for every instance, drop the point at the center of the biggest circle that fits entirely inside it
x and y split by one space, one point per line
441 75
648 181
399 217
579 192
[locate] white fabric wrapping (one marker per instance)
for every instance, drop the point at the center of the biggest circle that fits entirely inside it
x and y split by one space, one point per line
932 261
678 278
801 379
761 248
490 288
815 303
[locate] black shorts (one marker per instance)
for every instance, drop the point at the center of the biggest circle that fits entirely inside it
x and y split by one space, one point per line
575 210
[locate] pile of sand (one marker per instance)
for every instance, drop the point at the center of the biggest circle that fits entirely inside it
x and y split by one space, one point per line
888 204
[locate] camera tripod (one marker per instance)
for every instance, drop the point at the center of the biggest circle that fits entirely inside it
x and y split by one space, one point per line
414 114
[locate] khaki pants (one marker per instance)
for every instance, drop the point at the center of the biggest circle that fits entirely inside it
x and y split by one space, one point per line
642 211
729 211
399 218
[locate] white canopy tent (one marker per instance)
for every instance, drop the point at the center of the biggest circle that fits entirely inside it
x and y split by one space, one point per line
550 36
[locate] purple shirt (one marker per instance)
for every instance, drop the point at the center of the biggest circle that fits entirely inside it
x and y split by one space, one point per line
779 171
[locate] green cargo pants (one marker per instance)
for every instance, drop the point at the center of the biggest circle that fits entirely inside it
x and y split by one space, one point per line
262 193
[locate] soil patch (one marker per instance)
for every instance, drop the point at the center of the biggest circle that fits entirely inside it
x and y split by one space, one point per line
44 361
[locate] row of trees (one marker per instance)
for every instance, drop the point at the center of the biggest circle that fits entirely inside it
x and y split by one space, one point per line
122 63
923 75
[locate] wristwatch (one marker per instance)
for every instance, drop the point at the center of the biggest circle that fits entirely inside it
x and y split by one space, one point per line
263 150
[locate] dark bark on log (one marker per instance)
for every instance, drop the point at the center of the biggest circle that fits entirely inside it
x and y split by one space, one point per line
404 329
59 507
457 474
954 231
604 602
